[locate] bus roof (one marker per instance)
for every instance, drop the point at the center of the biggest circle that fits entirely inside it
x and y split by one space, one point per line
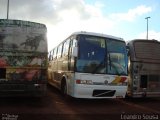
97 34
15 23
141 40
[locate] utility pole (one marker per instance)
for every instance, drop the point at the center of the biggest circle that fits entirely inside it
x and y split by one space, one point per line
147 26
7 9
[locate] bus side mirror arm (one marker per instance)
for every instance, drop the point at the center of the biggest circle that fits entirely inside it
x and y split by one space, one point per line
75 51
127 48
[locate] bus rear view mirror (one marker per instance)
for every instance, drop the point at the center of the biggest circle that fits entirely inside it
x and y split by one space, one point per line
75 51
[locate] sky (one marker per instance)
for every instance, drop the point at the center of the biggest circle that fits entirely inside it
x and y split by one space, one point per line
121 18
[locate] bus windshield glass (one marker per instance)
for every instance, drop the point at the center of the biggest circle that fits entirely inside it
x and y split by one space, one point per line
117 59
100 55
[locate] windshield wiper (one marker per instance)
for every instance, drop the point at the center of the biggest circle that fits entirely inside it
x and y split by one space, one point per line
118 69
110 62
113 66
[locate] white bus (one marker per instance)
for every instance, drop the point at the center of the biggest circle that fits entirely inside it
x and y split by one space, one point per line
23 58
89 65
144 68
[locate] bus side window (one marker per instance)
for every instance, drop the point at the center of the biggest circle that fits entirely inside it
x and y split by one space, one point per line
73 44
71 58
59 51
55 54
49 56
52 52
66 47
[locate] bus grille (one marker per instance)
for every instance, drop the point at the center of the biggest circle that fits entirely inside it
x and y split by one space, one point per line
103 93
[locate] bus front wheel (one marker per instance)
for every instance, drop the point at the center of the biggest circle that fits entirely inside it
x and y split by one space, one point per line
64 88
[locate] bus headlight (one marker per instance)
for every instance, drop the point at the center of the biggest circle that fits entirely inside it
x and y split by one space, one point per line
135 80
88 82
125 83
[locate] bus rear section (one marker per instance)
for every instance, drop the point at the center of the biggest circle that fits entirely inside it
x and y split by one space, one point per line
23 58
144 68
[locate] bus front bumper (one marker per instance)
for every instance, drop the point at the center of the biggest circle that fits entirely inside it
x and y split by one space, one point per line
99 91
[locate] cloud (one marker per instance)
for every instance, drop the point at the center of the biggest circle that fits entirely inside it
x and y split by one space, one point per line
63 17
132 14
51 11
77 16
151 35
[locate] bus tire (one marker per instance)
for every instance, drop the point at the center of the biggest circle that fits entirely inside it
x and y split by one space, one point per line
127 96
64 90
63 87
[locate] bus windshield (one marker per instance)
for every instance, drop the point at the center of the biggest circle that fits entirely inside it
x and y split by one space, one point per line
100 55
